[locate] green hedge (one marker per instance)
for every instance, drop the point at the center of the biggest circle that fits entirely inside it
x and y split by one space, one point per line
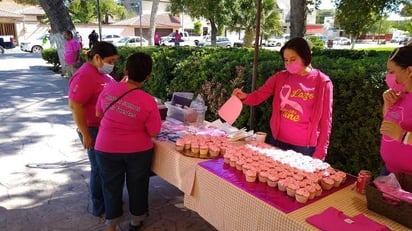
357 76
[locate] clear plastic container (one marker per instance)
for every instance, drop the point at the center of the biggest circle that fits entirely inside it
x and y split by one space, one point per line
198 105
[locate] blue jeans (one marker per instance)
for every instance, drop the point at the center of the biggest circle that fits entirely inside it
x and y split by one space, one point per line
95 181
136 169
305 150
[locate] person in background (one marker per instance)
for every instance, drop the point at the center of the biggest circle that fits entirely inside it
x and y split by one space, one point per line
177 38
79 39
93 39
84 89
124 145
157 39
71 53
302 102
396 127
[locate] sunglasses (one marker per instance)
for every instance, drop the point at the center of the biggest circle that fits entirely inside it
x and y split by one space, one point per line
394 53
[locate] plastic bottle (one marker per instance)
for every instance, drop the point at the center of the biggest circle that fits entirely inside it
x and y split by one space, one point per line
199 106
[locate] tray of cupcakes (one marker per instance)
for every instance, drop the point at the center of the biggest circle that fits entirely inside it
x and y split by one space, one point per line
202 146
299 176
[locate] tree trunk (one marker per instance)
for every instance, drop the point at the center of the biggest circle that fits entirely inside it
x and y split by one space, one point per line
152 29
60 21
214 32
298 12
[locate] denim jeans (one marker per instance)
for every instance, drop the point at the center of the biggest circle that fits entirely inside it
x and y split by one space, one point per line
136 169
95 181
305 150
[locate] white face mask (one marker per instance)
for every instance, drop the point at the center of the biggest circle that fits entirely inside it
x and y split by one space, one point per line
106 68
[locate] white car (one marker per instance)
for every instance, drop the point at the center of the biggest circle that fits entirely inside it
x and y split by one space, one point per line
111 38
182 43
220 42
275 42
131 41
341 41
36 45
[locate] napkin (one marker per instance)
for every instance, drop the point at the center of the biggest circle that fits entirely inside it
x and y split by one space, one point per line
335 220
231 109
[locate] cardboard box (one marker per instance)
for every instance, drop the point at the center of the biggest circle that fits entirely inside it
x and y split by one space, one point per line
399 211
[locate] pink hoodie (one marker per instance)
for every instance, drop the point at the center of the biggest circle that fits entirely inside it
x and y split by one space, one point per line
302 108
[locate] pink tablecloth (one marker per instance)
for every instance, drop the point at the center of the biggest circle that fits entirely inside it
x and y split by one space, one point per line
260 190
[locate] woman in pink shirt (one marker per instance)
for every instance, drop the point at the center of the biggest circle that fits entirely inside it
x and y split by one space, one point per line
124 146
84 88
396 128
302 102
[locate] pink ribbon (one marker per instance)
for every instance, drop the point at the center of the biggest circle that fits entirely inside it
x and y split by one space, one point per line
284 100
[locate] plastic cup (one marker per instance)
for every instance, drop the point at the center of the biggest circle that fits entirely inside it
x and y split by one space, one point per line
261 136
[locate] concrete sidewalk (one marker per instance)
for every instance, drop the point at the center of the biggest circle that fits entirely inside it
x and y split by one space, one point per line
44 172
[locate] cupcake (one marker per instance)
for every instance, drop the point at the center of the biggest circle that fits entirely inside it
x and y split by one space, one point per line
272 180
195 148
263 176
180 145
342 175
282 184
291 189
188 143
226 158
302 195
312 191
214 151
318 189
337 180
327 183
239 164
203 150
251 175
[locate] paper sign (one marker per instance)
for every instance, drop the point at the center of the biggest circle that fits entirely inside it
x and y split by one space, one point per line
231 109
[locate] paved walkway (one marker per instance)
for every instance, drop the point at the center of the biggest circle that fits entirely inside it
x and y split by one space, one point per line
44 172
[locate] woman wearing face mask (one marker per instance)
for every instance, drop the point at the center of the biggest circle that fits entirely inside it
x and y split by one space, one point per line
396 127
302 102
84 89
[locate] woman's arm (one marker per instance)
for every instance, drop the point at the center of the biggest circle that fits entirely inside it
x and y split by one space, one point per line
325 123
80 120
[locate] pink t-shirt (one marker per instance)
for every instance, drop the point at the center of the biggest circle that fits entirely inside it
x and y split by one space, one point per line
126 126
398 156
296 105
85 87
71 48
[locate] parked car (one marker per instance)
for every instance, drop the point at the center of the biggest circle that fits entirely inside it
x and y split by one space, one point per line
183 42
6 42
111 38
190 39
220 42
341 41
275 42
131 41
36 45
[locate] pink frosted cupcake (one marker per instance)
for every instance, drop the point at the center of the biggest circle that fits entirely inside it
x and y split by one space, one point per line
318 189
263 176
188 143
337 180
180 145
214 151
291 189
272 180
342 175
195 148
251 175
239 164
327 183
203 150
282 184
312 191
302 195
226 158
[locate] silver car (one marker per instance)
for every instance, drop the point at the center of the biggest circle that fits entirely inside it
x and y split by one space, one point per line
220 42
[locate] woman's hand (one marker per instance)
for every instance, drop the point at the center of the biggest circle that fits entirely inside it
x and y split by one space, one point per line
88 141
391 129
239 93
390 97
